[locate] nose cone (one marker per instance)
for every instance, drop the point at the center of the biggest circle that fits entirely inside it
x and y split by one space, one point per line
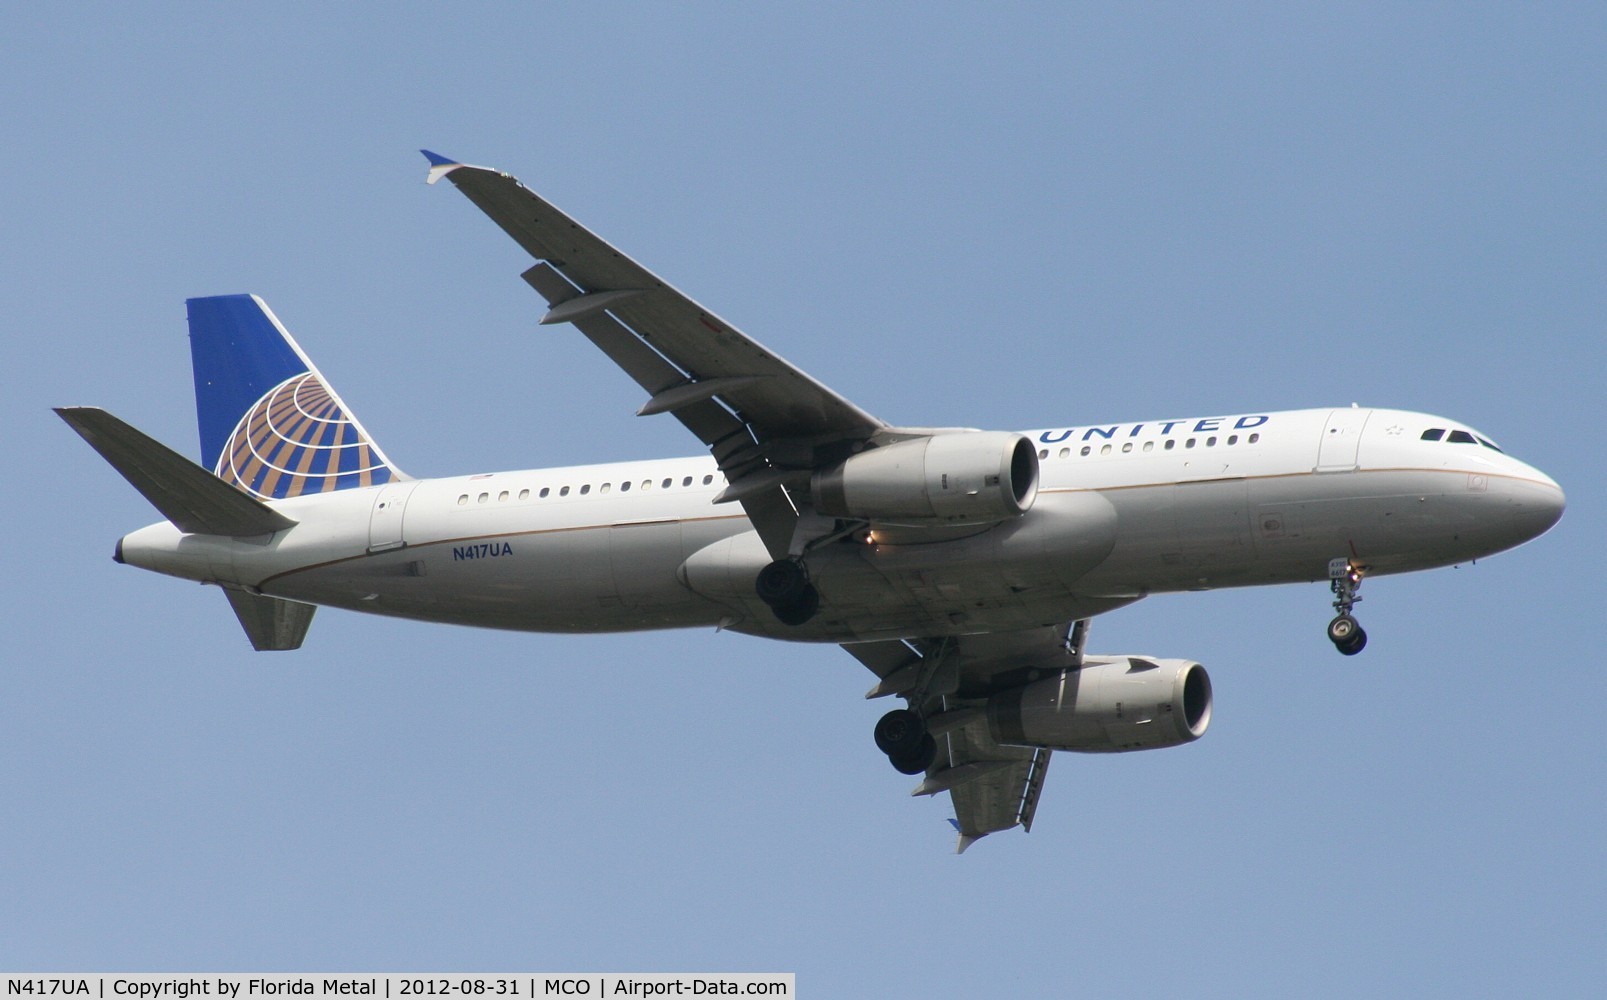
1548 507
1535 504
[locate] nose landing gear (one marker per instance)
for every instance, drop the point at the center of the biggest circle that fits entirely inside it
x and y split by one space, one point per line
1344 578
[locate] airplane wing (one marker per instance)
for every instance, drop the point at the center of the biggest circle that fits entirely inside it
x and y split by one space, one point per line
761 417
993 787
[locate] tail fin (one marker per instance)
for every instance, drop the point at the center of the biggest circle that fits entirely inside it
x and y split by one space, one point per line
270 423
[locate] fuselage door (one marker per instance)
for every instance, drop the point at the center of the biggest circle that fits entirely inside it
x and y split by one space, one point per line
385 523
1341 440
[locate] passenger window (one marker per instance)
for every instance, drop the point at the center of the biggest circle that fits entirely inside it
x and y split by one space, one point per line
647 484
1233 439
544 491
1043 452
463 499
1127 447
1105 450
1065 453
484 497
1170 444
1433 434
1254 438
1086 451
1210 442
1189 443
666 484
1149 445
585 489
502 497
564 492
707 480
625 487
524 494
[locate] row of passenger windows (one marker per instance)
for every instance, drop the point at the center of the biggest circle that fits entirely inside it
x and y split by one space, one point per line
584 490
1456 437
1127 446
668 483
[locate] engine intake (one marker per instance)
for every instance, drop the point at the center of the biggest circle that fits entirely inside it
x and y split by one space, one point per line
967 477
1113 704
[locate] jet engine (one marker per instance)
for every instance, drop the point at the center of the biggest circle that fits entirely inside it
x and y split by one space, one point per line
1113 704
965 477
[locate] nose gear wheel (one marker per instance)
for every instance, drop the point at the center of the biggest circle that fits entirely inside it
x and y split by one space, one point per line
1344 579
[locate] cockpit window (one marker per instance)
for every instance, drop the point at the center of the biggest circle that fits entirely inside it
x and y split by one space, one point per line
1457 437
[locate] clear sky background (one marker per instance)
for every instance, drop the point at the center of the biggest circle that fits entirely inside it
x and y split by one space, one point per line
1003 216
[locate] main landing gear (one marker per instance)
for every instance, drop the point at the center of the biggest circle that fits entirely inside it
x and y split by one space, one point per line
1344 578
901 734
785 586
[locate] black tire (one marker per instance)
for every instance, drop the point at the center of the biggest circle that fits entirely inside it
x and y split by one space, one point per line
1355 644
1342 630
799 611
782 583
917 760
899 732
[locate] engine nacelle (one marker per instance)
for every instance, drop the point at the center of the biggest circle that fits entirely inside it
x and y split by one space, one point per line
1113 704
965 477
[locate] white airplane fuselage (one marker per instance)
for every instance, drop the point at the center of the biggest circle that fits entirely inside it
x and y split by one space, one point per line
1122 511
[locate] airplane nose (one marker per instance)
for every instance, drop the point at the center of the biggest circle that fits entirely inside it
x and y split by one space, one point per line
1552 504
1539 505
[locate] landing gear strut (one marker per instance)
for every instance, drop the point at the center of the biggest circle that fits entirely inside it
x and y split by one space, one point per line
785 586
1344 578
901 735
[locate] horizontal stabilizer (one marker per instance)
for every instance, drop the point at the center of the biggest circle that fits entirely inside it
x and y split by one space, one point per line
196 501
271 623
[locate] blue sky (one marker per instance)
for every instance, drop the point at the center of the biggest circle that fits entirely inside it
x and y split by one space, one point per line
1012 216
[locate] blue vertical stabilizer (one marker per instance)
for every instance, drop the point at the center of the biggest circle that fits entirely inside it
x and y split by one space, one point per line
270 423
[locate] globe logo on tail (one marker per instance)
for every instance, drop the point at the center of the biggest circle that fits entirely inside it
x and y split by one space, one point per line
297 440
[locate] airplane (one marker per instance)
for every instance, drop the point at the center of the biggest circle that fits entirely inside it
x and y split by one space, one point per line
960 566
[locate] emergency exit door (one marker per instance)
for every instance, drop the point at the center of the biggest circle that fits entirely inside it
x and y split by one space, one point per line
1341 440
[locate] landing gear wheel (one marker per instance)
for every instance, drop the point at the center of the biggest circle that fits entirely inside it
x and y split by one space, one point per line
901 735
919 759
899 732
1341 629
1357 643
799 611
1347 635
782 583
